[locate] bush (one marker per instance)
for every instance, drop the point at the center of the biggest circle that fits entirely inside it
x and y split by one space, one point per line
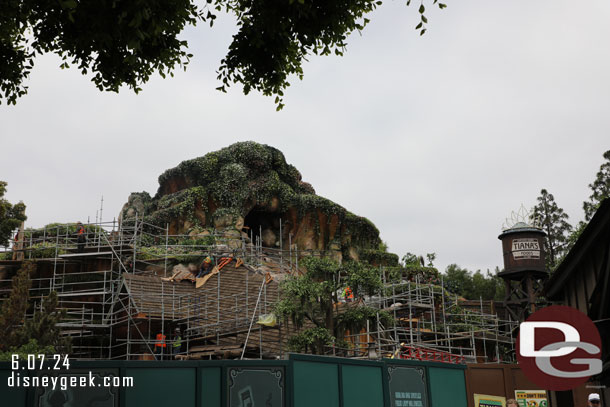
312 339
44 250
30 348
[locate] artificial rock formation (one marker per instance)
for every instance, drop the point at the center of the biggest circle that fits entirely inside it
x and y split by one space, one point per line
246 189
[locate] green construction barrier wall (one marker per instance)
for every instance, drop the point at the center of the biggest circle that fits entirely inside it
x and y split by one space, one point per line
447 387
210 385
316 384
167 387
301 381
362 385
12 396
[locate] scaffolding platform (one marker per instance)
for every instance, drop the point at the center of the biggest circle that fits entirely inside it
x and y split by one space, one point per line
117 303
84 254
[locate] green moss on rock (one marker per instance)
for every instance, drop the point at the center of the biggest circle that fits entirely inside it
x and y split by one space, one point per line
204 192
379 258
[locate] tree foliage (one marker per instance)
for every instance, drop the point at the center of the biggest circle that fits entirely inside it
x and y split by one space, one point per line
30 348
14 308
554 222
119 42
11 216
573 237
41 330
600 188
311 339
43 327
474 286
311 299
122 43
411 259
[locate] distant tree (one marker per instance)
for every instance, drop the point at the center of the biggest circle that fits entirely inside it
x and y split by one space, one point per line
411 259
487 286
431 257
458 280
577 231
473 286
554 222
499 283
11 216
600 188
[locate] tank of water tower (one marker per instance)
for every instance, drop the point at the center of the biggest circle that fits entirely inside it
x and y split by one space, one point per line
523 247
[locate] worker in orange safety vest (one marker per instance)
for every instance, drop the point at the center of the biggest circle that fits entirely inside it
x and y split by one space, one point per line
348 294
160 345
81 238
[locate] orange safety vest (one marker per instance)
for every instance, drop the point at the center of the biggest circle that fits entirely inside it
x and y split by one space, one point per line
81 230
348 294
160 341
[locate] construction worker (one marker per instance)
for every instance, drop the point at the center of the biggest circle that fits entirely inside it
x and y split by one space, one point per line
160 345
16 247
18 252
206 267
81 239
348 295
177 344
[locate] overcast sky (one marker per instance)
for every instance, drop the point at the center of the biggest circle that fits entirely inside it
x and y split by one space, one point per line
436 139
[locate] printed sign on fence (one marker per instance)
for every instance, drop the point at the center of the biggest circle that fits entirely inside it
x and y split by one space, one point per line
531 398
407 386
485 400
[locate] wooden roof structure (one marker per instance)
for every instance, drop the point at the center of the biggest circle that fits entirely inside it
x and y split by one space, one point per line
219 313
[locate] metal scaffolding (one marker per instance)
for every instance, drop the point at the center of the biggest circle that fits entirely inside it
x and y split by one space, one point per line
106 319
116 304
429 323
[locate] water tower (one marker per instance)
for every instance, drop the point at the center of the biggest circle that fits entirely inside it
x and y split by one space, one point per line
524 264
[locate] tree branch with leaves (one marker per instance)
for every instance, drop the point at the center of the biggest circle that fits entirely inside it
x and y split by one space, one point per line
123 43
554 222
313 299
600 188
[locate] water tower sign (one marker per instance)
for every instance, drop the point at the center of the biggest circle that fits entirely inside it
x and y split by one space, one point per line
525 249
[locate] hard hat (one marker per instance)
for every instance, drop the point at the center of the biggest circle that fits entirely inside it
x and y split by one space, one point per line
594 397
207 260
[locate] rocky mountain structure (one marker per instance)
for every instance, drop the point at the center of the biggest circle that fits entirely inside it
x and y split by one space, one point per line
246 190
